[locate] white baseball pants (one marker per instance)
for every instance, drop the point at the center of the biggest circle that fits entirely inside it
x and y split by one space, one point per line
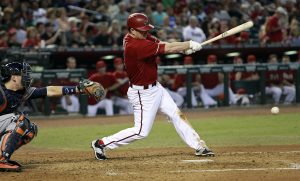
74 107
123 104
276 92
146 103
219 89
106 104
178 99
183 92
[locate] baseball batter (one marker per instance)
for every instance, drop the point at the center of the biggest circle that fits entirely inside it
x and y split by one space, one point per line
146 94
16 129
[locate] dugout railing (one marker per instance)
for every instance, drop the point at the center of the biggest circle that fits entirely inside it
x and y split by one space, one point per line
48 76
226 69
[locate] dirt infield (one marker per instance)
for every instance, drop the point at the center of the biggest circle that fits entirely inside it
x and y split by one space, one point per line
230 163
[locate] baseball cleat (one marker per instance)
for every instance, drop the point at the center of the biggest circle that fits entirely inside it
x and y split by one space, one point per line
9 166
99 150
204 152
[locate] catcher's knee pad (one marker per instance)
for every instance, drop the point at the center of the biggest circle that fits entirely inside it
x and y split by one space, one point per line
30 133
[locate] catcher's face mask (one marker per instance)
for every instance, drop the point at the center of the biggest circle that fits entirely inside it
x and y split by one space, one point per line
26 75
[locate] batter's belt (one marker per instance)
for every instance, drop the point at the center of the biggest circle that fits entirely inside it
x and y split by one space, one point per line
142 87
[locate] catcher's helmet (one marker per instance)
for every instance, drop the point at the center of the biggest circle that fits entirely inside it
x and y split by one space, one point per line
139 21
15 68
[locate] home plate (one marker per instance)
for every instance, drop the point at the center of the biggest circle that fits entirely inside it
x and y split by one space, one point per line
197 161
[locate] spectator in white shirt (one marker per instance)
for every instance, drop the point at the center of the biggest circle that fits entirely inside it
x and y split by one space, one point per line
193 32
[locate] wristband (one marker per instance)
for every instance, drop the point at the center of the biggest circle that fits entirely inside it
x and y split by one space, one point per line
68 90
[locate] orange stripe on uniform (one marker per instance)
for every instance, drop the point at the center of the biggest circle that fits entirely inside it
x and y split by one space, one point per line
19 131
4 141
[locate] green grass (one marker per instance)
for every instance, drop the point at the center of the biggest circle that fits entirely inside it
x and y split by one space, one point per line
226 131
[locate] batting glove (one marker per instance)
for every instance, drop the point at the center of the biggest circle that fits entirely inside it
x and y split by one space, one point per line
188 52
195 46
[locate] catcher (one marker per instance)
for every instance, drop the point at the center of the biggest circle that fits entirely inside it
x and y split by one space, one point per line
16 129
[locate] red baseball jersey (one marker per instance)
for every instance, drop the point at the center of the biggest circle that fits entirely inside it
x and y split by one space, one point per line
106 80
122 90
139 59
246 75
273 77
288 75
180 81
210 80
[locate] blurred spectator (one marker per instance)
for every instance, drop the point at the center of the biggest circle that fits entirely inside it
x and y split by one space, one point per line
50 37
193 32
20 32
214 28
158 15
3 39
6 19
40 27
122 15
51 18
171 17
221 13
213 82
120 97
77 39
12 39
229 39
148 12
214 17
124 31
112 9
294 30
102 38
276 26
62 20
39 14
70 102
274 84
32 38
114 31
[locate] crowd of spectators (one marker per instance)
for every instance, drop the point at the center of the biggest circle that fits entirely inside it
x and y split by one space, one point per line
102 23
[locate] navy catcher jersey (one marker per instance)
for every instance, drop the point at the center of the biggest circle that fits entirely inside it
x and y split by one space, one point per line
10 100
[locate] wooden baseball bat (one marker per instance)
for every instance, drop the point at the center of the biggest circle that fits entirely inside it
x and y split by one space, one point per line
230 32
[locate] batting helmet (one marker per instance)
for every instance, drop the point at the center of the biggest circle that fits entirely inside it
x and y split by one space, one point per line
16 68
139 21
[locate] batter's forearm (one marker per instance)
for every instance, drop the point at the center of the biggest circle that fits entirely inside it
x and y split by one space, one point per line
177 47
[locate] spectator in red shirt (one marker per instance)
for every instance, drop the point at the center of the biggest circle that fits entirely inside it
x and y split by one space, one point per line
120 97
275 26
32 40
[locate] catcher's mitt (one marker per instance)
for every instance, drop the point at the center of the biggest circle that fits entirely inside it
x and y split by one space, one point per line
93 89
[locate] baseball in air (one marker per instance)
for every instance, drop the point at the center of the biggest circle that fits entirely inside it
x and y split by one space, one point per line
275 110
